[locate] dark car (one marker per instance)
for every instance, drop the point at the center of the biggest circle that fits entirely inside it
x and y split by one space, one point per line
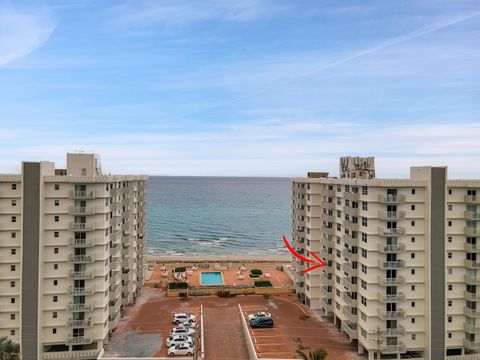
261 322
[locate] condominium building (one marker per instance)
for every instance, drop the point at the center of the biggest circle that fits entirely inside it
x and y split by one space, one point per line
402 270
72 254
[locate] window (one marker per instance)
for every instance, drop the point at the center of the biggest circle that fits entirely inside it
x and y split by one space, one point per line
414 336
450 271
12 283
412 207
413 223
14 235
364 269
364 221
449 191
413 191
413 271
12 332
56 218
54 331
12 316
449 223
55 266
55 298
450 303
449 335
55 282
450 207
364 253
413 239
14 186
449 319
364 190
413 303
364 300
56 202
57 186
412 287
12 267
449 239
13 251
56 234
12 300
450 287
14 202
54 315
363 284
55 250
412 255
449 255
364 205
364 237
412 320
14 219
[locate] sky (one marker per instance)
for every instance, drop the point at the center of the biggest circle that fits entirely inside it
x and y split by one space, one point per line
241 88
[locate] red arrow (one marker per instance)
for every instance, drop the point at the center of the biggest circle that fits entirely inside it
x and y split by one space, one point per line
297 255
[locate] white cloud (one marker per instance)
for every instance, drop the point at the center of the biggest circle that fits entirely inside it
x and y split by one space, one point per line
22 32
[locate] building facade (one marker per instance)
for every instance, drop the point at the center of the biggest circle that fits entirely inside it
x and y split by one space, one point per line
72 254
401 272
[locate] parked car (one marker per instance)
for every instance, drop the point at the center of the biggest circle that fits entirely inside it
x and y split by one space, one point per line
179 339
182 330
181 349
261 322
192 323
259 314
181 317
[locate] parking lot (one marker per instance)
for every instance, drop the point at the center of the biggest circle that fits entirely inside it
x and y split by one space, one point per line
146 326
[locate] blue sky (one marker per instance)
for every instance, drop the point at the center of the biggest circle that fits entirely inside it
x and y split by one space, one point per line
252 87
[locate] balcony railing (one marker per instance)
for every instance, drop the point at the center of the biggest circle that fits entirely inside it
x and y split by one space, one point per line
347 312
391 231
387 315
347 267
394 349
349 300
80 259
74 210
472 329
79 323
392 248
81 227
81 243
75 354
470 215
80 291
385 281
78 340
350 329
471 344
472 199
391 215
471 264
79 307
471 280
348 284
351 196
326 305
394 264
391 199
471 312
80 275
471 296
82 194
471 247
350 240
470 231
399 331
325 279
388 298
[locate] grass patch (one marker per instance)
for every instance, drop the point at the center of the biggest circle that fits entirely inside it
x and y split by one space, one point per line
180 269
177 286
264 283
256 272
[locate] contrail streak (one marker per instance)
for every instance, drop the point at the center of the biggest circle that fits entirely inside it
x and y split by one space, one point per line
386 44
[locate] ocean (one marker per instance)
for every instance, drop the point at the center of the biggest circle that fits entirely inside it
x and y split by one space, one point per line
218 215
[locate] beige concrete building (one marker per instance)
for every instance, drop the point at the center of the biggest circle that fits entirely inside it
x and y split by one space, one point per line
72 253
402 269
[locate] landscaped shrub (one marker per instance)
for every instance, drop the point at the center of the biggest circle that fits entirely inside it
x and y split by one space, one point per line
264 283
180 269
253 276
176 286
256 272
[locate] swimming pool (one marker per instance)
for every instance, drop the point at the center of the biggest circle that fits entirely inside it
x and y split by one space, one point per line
211 278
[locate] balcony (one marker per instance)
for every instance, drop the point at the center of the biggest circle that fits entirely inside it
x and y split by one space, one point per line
391 199
80 291
81 259
326 255
325 293
394 264
470 215
471 312
399 331
328 230
391 232
389 298
348 300
469 231
79 307
82 194
394 349
348 314
347 267
81 227
471 344
113 320
326 305
79 323
389 315
349 255
115 306
392 248
75 354
326 280
348 284
350 329
391 215
472 199
471 264
471 296
350 240
81 243
81 210
78 340
471 280
351 196
384 281
80 275
472 329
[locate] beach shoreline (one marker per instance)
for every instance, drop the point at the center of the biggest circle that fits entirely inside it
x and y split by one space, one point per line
223 258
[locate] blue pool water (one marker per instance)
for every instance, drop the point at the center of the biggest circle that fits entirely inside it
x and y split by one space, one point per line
211 278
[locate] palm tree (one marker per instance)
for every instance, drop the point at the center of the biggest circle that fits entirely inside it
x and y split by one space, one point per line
319 354
8 349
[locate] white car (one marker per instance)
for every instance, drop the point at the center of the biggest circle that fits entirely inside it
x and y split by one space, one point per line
182 349
179 339
192 323
182 317
259 314
182 330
